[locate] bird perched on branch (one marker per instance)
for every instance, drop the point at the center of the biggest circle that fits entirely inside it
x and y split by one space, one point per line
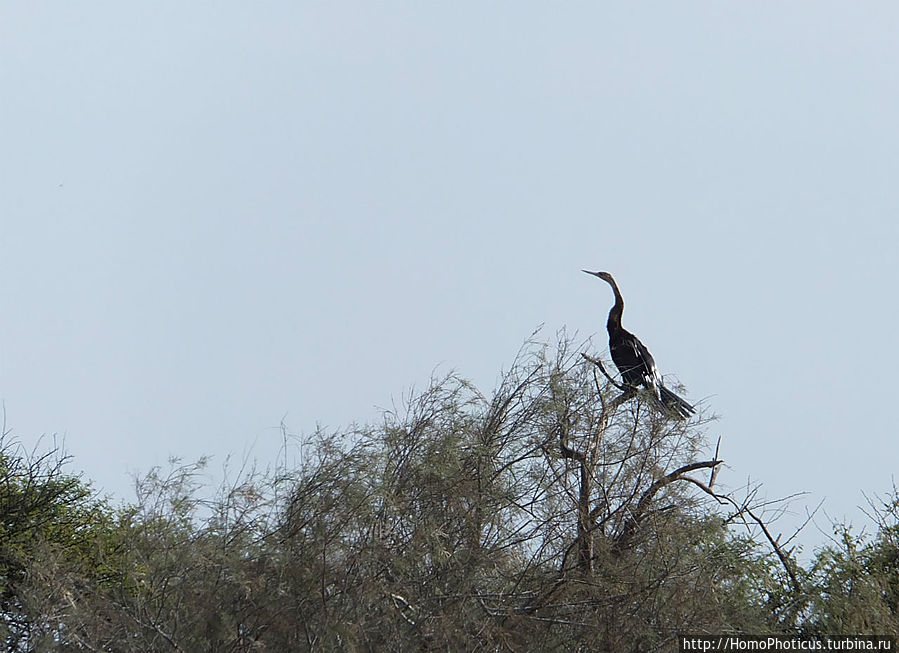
633 360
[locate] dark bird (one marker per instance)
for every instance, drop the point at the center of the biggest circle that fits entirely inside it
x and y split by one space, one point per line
633 360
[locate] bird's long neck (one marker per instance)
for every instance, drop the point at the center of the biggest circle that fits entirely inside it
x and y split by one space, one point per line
614 322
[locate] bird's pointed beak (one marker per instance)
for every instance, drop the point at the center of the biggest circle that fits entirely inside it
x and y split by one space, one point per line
595 274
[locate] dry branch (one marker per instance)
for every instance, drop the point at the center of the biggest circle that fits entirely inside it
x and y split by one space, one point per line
647 497
744 510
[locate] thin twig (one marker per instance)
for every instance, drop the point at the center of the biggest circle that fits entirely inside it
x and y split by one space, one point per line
715 469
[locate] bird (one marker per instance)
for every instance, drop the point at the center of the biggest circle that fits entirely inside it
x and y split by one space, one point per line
633 360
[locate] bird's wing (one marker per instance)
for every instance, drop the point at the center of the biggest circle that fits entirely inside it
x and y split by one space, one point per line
651 376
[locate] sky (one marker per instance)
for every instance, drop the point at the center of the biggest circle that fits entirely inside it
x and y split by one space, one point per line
218 216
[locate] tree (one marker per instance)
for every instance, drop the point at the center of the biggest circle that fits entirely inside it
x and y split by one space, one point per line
560 512
51 526
856 579
557 512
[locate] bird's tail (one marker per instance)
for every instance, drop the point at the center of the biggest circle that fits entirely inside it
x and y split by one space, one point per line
674 405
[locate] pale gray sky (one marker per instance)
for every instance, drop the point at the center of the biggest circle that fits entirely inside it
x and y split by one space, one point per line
213 214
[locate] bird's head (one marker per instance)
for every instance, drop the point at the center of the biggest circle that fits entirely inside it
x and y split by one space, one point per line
605 276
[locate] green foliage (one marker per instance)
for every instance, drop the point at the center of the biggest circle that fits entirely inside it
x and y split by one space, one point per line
49 521
857 579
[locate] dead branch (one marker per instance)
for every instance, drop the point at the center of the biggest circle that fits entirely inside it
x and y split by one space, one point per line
599 364
715 469
627 392
745 510
647 497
